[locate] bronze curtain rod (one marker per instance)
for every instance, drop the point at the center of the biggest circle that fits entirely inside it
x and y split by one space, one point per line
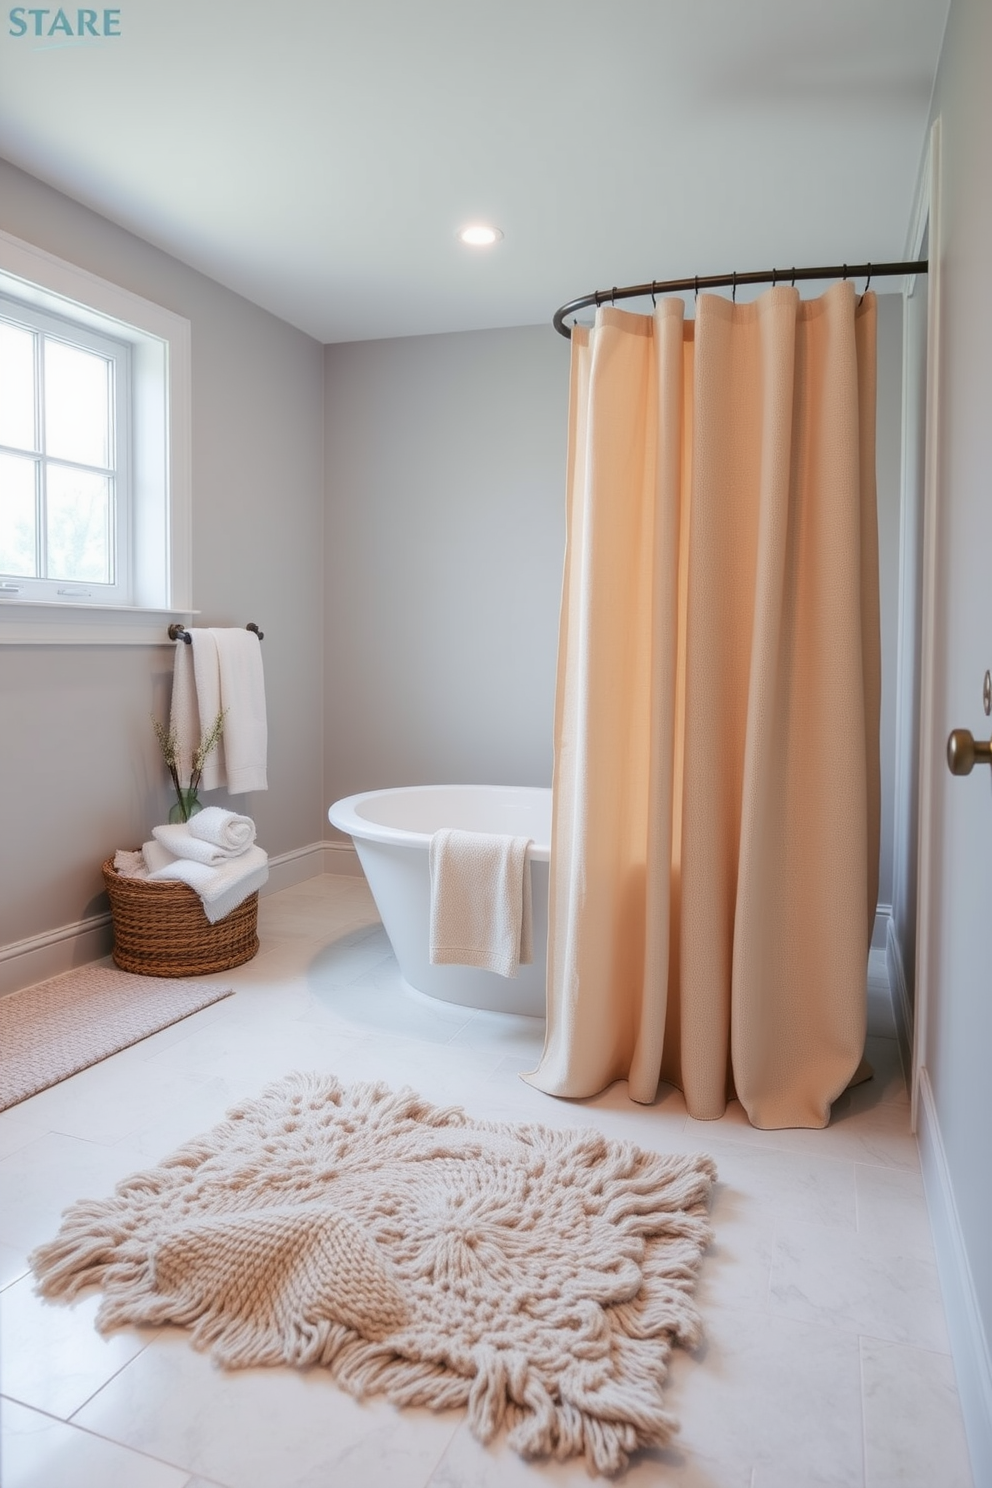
726 281
180 633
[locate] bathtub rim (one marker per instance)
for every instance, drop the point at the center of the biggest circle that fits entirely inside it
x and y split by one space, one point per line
344 815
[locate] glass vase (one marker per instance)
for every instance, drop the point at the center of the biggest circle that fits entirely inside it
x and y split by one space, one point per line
186 806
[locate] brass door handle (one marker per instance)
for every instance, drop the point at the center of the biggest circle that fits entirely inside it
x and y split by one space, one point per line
965 752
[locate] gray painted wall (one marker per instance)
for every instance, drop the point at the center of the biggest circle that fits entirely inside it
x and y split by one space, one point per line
445 539
80 767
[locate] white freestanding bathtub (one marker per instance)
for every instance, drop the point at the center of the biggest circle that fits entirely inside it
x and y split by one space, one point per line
392 830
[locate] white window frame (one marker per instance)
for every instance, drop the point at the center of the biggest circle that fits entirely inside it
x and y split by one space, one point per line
160 455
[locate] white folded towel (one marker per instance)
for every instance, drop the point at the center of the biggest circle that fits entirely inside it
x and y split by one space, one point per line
224 829
481 910
221 889
130 864
242 696
178 839
156 856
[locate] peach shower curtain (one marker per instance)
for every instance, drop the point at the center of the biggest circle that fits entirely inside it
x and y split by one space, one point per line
716 790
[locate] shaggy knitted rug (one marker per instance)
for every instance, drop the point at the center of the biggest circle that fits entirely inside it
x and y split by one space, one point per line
538 1277
62 1026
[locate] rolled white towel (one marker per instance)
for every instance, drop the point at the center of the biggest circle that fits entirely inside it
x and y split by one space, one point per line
179 840
232 833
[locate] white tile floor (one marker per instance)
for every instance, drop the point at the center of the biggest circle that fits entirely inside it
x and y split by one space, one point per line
826 1355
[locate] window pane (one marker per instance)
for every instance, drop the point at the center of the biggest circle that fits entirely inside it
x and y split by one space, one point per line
78 525
16 386
77 404
17 516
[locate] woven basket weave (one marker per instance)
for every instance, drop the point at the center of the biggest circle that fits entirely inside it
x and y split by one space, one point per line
160 929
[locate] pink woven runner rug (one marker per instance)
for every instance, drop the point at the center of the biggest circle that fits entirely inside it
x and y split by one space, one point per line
58 1027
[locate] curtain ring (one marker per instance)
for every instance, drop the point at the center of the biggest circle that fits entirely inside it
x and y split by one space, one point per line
792 281
774 277
654 302
845 271
695 290
613 297
735 287
865 290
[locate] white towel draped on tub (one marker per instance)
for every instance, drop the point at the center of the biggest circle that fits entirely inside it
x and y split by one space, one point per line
222 669
480 900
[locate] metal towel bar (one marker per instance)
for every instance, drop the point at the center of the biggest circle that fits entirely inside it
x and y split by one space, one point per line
180 633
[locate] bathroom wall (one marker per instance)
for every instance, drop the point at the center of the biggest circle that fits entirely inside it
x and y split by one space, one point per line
444 546
79 766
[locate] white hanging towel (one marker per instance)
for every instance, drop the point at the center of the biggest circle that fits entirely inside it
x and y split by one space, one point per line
184 719
195 705
242 696
221 669
206 671
481 909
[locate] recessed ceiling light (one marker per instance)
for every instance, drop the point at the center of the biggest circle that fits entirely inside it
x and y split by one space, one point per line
478 235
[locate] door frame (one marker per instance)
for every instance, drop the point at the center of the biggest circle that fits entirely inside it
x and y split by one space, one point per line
926 225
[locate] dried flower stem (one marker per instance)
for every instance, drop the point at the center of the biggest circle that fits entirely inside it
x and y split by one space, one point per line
169 744
207 744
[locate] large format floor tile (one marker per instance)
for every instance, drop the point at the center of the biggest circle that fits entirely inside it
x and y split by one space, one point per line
40 1452
824 1360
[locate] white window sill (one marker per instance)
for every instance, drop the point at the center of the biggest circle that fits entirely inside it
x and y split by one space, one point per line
25 622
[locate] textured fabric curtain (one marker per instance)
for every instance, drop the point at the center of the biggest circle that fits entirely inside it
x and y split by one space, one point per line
716 787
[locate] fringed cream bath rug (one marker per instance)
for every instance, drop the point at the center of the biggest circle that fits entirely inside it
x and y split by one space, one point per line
64 1025
538 1277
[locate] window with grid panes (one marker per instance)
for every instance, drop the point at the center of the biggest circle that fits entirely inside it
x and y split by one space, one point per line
64 489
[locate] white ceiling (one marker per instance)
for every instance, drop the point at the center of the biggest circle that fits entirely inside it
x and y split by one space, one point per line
318 156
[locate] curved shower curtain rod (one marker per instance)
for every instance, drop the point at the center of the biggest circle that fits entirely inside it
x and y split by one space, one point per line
726 281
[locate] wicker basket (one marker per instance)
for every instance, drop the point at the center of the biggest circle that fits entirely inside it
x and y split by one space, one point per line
160 929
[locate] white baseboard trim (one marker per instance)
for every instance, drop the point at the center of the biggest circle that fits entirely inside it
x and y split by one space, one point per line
341 857
883 917
24 962
289 868
969 1345
902 1005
